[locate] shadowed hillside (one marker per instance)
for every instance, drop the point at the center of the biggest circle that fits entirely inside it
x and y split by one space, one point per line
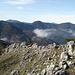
38 32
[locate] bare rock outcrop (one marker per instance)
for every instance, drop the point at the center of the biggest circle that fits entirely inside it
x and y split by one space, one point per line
53 70
42 60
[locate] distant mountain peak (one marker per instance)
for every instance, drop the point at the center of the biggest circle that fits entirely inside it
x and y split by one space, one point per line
37 22
67 23
10 20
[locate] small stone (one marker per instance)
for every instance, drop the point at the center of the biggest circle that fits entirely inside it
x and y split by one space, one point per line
14 72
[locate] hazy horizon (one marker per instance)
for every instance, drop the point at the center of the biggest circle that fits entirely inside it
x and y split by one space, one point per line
36 21
56 11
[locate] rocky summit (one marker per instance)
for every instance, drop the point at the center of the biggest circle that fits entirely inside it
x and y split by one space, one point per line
22 59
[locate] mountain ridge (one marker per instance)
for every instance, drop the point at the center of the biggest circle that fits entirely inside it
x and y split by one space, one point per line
55 32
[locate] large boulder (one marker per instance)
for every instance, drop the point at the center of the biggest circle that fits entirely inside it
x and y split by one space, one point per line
70 47
43 72
70 63
64 65
64 56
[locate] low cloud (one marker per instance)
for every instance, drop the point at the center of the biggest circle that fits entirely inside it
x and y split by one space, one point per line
44 33
20 8
4 39
20 1
72 32
47 33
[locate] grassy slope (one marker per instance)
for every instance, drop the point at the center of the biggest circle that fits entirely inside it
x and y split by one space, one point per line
10 61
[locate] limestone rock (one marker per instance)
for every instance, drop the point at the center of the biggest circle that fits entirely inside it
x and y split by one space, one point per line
43 72
63 64
34 46
70 46
53 70
14 72
70 63
7 50
23 44
64 56
70 42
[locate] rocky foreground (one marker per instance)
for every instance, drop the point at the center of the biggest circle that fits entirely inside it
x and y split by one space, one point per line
19 59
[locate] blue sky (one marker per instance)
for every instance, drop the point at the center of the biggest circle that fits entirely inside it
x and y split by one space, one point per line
57 11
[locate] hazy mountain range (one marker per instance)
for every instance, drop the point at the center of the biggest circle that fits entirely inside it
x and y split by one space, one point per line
39 32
